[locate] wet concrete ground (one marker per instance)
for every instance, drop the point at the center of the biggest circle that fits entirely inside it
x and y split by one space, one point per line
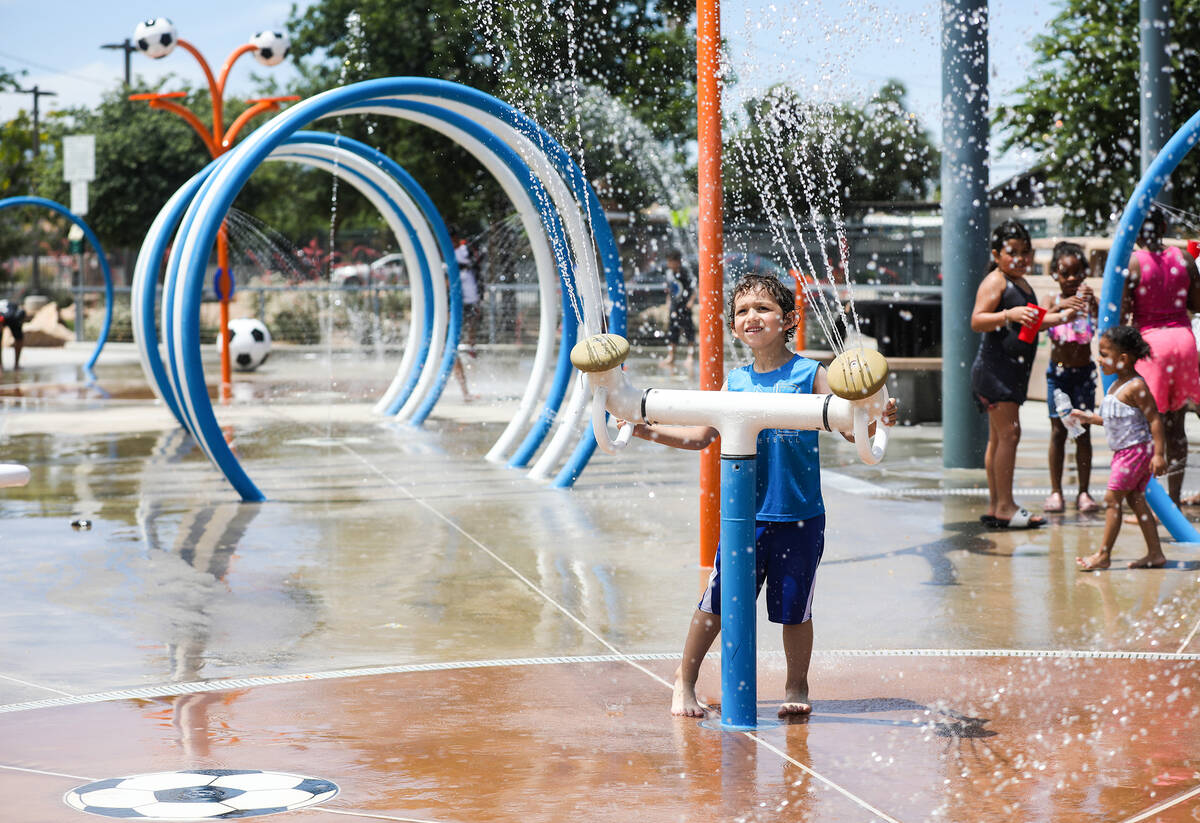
450 641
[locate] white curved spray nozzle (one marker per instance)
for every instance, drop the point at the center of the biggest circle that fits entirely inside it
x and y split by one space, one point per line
606 442
600 357
871 449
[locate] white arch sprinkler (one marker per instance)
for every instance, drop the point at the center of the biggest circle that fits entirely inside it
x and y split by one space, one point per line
1113 288
858 379
555 202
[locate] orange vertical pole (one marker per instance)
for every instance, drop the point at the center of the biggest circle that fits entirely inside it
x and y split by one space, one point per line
712 330
801 311
225 290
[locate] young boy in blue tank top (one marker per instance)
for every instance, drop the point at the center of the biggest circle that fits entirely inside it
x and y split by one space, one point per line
790 527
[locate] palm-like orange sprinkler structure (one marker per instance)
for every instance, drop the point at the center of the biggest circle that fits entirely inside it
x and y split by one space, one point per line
156 39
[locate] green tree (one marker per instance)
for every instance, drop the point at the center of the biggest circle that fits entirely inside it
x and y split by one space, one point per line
834 154
642 54
142 157
1079 109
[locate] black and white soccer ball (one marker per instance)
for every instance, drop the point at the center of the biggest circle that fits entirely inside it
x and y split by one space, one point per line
270 47
249 343
200 794
156 38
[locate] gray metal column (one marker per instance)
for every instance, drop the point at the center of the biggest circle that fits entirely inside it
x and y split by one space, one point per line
965 225
1154 80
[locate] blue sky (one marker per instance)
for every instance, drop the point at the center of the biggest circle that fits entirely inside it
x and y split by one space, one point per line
832 49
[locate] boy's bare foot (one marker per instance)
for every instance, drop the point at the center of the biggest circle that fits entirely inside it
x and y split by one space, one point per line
684 702
1150 561
795 704
1099 560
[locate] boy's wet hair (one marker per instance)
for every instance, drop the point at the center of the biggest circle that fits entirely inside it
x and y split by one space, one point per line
1127 340
675 254
1010 230
774 288
1065 248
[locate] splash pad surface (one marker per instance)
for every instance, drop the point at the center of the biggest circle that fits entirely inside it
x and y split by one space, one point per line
446 640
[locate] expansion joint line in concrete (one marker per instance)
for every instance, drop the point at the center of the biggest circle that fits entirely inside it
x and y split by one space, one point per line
35 685
604 642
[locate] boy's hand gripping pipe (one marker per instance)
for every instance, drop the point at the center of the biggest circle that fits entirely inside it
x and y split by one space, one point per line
857 379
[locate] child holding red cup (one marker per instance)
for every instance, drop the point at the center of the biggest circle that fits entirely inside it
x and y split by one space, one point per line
1004 303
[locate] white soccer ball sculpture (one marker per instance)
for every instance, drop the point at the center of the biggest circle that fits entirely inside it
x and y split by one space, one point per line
200 794
156 38
271 47
249 343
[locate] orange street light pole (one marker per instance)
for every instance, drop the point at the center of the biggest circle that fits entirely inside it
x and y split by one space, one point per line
217 140
711 215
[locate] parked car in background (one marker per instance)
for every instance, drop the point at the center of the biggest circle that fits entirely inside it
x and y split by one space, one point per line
384 271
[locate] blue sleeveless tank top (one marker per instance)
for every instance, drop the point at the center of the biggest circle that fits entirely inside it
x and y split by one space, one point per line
788 466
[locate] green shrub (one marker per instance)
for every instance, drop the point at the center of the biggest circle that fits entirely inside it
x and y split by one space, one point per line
295 326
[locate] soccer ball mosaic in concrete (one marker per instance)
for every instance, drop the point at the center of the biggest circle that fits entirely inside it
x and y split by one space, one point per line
200 794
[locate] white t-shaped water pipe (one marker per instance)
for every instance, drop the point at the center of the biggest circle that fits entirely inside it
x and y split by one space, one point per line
857 379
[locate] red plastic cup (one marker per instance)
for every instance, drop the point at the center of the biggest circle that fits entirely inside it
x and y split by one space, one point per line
1029 333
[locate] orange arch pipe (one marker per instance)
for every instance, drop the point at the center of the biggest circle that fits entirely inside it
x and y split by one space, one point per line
712 242
192 120
244 118
214 91
257 108
219 96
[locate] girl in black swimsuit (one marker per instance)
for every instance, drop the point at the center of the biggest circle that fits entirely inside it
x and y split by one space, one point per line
1000 374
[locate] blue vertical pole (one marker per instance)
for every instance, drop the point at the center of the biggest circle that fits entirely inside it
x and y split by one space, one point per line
739 677
965 225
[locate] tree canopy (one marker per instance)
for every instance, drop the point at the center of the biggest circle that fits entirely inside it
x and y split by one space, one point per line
840 155
1079 109
525 52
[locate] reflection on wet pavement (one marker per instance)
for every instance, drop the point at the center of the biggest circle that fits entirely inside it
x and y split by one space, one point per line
386 546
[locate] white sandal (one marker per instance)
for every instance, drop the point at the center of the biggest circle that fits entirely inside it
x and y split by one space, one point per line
1022 519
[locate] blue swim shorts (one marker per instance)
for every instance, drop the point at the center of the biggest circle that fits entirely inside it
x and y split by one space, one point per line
786 556
1079 382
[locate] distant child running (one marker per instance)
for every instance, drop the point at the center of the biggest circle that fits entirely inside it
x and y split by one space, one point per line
1072 372
1135 434
1004 302
790 528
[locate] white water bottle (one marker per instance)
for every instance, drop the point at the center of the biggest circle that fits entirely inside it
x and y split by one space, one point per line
1063 405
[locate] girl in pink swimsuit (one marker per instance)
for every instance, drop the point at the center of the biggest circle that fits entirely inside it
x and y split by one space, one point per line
1162 286
1135 434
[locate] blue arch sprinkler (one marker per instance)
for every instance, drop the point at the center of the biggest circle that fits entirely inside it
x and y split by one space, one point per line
858 381
492 131
1113 288
10 202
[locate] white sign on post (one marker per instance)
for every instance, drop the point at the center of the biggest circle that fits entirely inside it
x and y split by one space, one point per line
79 158
79 198
79 168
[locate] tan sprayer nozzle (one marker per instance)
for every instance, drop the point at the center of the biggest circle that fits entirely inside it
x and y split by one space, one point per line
600 352
856 374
